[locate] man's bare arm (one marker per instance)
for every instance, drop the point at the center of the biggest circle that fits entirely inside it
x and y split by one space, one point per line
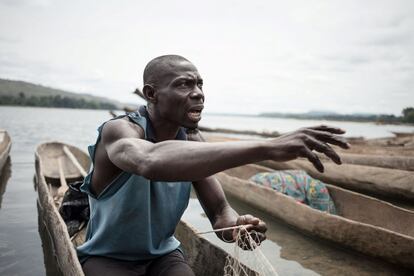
191 161
221 214
218 210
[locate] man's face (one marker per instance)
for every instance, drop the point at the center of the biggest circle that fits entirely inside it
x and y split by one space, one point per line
180 96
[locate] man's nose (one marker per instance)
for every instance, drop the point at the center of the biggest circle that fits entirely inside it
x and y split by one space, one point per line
197 94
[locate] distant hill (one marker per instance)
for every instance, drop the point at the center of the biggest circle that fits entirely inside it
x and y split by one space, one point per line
25 93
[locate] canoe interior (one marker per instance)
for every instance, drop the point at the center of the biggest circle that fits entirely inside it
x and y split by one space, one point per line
49 153
352 205
204 257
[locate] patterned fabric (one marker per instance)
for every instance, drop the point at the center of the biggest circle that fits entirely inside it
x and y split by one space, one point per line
299 185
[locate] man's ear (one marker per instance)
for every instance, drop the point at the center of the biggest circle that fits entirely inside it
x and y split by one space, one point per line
149 93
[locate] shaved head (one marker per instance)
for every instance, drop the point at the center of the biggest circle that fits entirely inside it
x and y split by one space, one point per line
159 66
173 89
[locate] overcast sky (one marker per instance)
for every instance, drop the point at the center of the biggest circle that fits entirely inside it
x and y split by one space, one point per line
254 56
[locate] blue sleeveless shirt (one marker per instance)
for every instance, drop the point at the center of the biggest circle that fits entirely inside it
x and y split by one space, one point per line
134 218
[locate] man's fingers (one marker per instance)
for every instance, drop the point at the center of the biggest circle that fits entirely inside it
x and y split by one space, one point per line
324 148
247 219
252 223
254 227
330 129
328 137
313 158
260 227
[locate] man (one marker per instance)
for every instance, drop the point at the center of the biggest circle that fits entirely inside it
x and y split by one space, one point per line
143 166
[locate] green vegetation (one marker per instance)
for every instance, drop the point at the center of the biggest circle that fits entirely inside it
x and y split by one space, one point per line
27 94
408 115
53 101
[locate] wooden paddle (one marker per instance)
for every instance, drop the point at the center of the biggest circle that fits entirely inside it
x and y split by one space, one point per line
74 161
63 185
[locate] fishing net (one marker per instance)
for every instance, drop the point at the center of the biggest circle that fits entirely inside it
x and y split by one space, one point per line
246 251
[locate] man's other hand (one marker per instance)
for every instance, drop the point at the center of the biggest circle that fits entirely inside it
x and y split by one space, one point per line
256 229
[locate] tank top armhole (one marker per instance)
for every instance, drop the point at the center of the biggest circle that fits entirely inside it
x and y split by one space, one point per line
140 120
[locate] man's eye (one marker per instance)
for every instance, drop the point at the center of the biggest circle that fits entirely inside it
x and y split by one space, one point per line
183 84
200 85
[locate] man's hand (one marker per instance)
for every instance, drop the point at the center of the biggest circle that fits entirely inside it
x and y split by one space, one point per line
255 227
302 142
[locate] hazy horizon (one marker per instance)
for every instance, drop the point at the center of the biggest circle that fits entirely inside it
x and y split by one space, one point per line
268 56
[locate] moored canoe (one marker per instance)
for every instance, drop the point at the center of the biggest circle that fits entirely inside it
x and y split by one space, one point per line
363 223
5 146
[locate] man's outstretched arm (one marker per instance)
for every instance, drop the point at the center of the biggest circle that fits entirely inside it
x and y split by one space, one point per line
191 161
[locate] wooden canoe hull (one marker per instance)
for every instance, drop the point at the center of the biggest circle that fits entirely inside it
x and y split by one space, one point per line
364 237
5 146
384 182
63 250
204 257
390 162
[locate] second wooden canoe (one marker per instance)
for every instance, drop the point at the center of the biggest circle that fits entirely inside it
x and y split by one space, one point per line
5 146
363 223
383 161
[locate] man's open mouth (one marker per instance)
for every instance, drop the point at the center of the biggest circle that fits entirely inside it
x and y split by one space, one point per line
194 114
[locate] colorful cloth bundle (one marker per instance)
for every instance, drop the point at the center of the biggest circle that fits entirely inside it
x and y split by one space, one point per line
299 185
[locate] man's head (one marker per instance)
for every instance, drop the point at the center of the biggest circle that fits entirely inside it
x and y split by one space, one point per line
173 89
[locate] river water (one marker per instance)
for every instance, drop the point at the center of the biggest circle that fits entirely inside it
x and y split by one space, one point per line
289 251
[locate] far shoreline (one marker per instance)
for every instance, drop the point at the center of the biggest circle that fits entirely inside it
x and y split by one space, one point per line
237 115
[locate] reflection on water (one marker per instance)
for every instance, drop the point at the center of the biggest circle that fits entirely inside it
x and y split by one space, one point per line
4 178
292 253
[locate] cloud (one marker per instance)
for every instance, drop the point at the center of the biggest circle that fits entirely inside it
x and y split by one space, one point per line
8 40
343 54
387 38
17 3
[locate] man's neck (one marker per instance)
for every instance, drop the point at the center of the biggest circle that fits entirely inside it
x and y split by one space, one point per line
163 130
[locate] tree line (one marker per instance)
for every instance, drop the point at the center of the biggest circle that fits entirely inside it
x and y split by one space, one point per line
406 117
53 101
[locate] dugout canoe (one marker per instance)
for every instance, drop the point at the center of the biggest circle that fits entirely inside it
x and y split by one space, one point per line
389 183
383 161
5 146
204 257
363 223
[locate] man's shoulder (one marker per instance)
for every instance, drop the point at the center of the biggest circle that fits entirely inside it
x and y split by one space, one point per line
122 128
